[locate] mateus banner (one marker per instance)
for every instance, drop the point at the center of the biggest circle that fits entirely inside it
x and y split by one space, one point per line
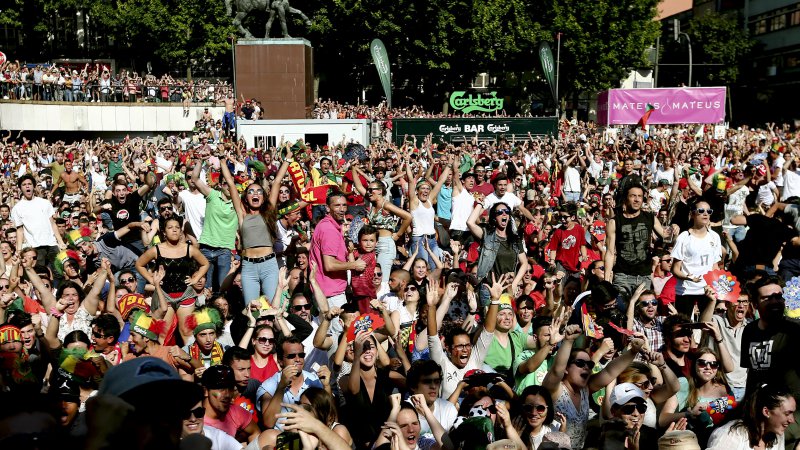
670 105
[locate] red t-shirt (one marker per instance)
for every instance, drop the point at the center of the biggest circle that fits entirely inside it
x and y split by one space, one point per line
263 373
237 419
362 281
485 188
567 244
353 197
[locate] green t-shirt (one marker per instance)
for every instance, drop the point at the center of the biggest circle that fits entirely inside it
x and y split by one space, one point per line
114 167
534 378
501 358
220 224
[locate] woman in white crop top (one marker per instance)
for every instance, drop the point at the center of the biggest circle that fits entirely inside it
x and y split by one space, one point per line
420 193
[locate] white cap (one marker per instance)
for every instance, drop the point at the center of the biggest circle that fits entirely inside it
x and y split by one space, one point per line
625 392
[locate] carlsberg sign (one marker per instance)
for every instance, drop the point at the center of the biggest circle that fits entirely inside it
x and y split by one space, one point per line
460 101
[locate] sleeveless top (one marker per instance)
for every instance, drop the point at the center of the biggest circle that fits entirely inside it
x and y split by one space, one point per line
633 243
382 219
176 271
576 420
422 219
254 232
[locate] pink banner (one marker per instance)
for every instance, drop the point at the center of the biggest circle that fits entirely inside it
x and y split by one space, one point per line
672 105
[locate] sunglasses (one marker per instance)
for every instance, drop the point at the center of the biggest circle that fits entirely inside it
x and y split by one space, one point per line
411 288
710 364
265 340
529 408
198 413
284 191
307 307
646 303
648 383
97 335
164 208
378 274
255 191
127 280
295 355
581 363
708 211
666 260
778 296
631 407
600 268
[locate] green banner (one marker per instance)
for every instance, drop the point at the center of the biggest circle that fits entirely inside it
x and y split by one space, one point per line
464 129
459 101
381 60
548 67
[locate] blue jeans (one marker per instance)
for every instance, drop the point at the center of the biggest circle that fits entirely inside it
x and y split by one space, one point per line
573 197
626 284
385 254
219 260
423 254
738 393
259 278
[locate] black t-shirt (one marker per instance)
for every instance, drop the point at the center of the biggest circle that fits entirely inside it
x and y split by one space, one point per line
755 249
124 213
769 355
633 236
682 216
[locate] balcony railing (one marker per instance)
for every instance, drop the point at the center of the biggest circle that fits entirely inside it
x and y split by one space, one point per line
115 93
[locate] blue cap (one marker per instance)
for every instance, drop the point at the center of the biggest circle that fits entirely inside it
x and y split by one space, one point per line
149 381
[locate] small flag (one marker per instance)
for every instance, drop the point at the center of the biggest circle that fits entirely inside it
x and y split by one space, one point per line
643 121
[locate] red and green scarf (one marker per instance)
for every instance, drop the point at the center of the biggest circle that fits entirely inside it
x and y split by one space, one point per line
216 353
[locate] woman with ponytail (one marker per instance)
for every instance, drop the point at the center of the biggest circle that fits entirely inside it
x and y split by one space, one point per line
766 414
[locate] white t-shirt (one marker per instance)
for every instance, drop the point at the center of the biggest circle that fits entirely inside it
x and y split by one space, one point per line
657 199
220 440
698 256
194 208
508 198
728 438
668 175
765 194
462 208
444 411
34 217
791 184
572 180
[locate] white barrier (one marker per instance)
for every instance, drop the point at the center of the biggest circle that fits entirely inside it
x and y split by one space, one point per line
101 117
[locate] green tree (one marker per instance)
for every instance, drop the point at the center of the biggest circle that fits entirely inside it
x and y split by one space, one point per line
601 40
719 39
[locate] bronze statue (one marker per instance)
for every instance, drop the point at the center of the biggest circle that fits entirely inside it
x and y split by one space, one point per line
277 7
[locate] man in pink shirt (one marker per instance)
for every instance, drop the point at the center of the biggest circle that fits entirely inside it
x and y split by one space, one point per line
219 385
329 253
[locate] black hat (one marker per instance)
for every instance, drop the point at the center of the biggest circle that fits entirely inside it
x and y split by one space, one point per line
219 377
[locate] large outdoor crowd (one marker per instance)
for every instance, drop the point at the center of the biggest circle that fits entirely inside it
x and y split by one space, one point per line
590 290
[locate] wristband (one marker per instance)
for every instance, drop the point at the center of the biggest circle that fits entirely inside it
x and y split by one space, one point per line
56 313
719 341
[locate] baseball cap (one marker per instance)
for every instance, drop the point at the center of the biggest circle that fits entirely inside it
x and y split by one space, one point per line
142 380
678 440
624 393
219 377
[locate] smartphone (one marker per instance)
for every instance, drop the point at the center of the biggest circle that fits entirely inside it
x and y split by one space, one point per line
288 440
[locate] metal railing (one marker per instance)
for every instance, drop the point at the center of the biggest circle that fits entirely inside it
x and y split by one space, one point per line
116 92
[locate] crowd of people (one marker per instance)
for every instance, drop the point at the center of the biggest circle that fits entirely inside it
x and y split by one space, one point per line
97 83
329 109
590 290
